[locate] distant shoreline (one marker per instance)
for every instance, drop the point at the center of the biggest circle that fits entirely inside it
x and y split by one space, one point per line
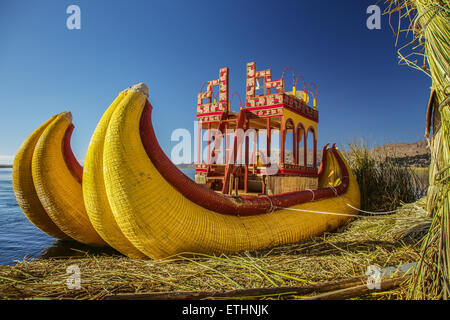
3 166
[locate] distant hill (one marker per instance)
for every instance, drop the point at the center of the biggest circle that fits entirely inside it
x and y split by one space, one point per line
416 154
403 149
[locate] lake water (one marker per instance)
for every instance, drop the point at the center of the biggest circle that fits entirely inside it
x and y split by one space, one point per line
20 239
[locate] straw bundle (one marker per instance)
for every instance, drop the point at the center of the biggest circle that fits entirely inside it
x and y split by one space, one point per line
429 25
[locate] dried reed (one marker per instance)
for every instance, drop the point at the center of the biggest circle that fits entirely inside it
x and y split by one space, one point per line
428 26
339 255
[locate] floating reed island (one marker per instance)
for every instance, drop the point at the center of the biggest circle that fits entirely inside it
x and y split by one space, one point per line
329 266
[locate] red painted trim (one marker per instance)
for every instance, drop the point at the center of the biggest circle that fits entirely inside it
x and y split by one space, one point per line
287 171
199 141
283 139
209 143
238 206
307 116
324 161
298 172
268 137
72 163
264 117
209 114
283 105
266 107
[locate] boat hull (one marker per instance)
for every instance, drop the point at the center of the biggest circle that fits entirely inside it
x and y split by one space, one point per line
161 219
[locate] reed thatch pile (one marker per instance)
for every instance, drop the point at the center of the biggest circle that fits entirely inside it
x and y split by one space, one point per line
426 24
383 242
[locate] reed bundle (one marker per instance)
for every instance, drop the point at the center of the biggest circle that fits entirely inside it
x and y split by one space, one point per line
428 31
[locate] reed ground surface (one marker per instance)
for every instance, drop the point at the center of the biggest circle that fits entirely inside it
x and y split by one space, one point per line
343 254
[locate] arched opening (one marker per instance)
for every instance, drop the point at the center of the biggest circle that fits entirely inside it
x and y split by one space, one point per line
262 147
289 142
301 139
311 148
275 149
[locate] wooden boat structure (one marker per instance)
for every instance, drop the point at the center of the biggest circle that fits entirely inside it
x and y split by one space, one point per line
263 117
137 200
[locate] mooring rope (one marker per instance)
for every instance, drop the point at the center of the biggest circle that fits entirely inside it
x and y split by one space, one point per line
374 215
312 193
354 215
272 207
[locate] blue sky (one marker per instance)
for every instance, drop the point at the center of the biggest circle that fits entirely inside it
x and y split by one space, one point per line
174 47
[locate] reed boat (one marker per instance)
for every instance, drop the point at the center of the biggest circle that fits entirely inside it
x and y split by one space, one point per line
140 203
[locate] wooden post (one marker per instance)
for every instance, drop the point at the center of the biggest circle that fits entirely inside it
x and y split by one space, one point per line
235 147
254 157
294 146
255 148
264 184
282 134
305 149
199 142
315 153
269 138
209 143
225 147
246 158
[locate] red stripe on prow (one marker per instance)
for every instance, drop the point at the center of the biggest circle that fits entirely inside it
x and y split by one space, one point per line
324 162
72 163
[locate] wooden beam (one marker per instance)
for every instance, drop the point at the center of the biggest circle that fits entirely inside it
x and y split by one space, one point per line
199 142
337 289
251 292
282 136
357 291
209 144
268 132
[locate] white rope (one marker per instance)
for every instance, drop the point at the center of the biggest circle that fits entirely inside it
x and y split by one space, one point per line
351 215
312 193
272 208
381 213
375 215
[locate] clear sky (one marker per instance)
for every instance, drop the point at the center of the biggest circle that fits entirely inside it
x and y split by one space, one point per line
175 46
